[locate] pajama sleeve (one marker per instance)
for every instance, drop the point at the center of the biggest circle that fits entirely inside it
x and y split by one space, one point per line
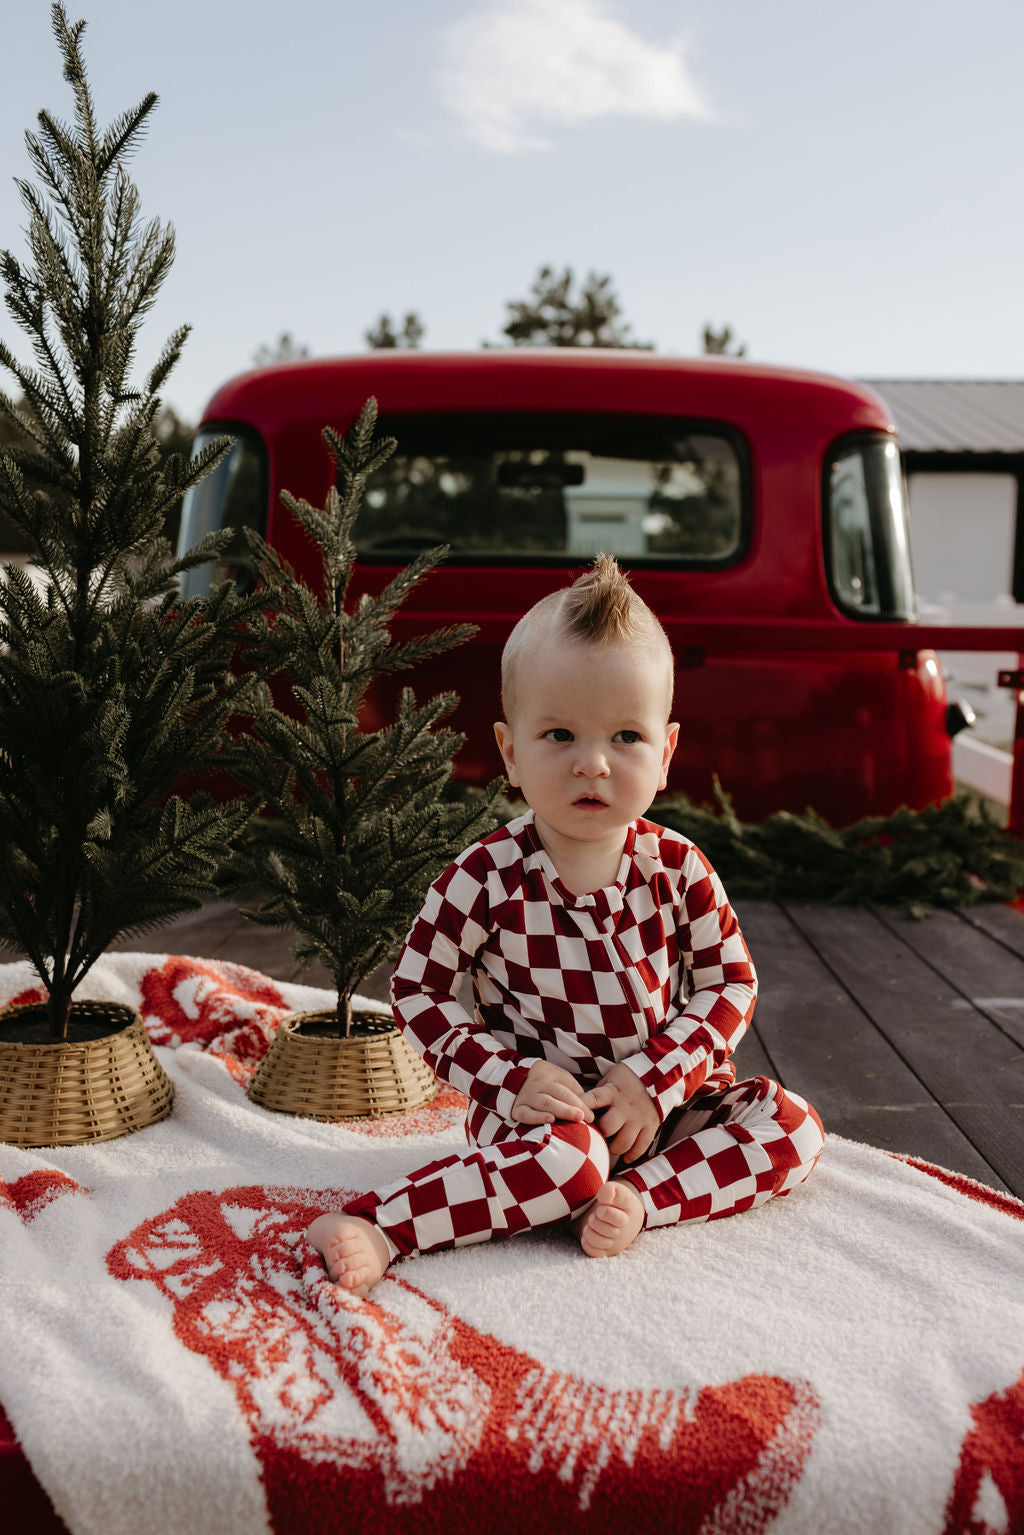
449 932
691 1052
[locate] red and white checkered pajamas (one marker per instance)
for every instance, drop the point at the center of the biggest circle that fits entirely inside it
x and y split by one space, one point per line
651 973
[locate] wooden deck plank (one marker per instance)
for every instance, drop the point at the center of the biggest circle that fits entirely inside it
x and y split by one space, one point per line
965 1061
974 963
824 1045
1003 923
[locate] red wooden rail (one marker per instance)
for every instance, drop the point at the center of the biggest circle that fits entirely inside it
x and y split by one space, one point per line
714 633
700 635
905 640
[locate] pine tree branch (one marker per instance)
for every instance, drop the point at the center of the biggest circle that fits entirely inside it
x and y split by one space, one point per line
68 37
33 422
120 137
167 360
53 152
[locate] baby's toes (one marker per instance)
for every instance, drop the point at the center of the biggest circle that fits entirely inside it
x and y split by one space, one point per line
613 1222
334 1260
609 1218
594 1242
345 1258
600 1231
357 1274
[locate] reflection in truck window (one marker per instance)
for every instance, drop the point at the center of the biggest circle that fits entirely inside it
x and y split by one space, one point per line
867 532
557 486
233 495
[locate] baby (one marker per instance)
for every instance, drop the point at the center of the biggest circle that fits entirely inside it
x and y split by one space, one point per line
610 977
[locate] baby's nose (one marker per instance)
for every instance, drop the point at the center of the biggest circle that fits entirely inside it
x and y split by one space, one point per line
591 762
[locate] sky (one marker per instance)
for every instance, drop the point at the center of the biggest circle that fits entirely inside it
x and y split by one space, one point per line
839 184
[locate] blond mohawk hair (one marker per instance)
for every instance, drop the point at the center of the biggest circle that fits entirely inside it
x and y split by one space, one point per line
600 605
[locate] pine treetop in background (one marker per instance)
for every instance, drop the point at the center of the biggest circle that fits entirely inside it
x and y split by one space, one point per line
110 689
362 824
554 315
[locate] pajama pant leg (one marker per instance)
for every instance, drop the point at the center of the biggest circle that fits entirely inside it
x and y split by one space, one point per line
727 1153
538 1177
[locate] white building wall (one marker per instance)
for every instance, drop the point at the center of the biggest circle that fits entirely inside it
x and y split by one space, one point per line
962 531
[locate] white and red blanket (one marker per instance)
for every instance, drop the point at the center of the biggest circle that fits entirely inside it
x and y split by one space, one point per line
173 1358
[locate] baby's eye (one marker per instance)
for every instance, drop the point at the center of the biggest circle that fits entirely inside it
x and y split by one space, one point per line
558 734
628 737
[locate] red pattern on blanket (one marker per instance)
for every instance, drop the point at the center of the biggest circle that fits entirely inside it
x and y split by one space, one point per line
230 1011
405 1417
991 1469
30 1195
233 1013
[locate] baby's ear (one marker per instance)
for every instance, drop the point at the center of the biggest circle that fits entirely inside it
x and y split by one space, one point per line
671 737
503 736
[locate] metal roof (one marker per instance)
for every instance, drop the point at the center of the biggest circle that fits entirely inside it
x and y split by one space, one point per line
955 415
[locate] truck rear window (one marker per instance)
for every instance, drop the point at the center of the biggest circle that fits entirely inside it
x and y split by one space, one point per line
531 487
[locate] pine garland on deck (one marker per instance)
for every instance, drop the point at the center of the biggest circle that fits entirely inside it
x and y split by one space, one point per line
953 854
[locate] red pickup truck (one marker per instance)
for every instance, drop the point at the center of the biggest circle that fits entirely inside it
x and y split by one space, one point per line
760 511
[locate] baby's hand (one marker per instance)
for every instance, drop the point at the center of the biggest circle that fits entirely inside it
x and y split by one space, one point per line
628 1114
549 1093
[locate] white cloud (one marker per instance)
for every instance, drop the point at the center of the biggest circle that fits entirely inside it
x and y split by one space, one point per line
525 65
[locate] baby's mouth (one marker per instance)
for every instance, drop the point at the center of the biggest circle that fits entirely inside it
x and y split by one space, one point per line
590 802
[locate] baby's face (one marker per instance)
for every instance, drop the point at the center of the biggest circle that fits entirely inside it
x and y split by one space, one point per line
589 743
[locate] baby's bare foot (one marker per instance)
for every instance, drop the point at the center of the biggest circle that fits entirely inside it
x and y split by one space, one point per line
612 1222
354 1251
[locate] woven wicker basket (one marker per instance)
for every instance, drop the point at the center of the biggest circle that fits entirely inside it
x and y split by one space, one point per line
60 1093
372 1073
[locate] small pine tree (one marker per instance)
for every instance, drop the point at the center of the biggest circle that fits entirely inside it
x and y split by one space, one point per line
361 825
110 689
721 343
553 315
284 349
386 336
